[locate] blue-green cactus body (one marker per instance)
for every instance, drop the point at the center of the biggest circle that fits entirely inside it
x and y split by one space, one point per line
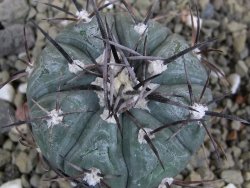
85 139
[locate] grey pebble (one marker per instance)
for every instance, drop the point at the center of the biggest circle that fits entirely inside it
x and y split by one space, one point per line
228 162
205 173
5 157
25 181
246 176
8 145
245 156
232 176
211 23
11 172
234 26
12 39
13 11
208 11
246 184
35 180
236 151
239 41
193 176
236 125
4 76
241 68
7 115
218 4
23 162
200 159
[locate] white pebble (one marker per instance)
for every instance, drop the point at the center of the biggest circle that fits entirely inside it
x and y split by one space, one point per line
110 6
22 88
17 183
230 185
7 93
234 80
195 20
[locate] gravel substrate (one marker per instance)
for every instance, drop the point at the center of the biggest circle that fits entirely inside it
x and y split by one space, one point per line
227 21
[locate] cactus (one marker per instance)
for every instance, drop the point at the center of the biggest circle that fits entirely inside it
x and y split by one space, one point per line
119 102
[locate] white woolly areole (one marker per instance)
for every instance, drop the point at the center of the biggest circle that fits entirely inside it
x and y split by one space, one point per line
99 82
156 67
55 117
38 150
105 117
64 22
92 178
142 133
200 111
101 59
83 15
76 66
29 70
140 28
164 181
141 103
197 53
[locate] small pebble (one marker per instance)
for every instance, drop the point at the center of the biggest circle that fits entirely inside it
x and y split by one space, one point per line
25 181
22 162
34 180
22 88
5 157
11 172
17 183
8 145
246 176
208 11
7 93
193 176
232 176
236 125
13 11
236 26
7 116
12 40
241 68
230 185
239 41
246 184
234 79
4 76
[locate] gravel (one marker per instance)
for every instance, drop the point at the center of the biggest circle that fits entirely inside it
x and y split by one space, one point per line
228 21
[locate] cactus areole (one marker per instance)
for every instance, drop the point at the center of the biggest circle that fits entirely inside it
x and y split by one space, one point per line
95 118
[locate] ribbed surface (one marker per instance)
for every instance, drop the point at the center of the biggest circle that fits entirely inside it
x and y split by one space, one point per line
84 139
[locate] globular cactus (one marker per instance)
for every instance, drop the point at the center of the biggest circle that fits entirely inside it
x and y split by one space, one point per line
118 102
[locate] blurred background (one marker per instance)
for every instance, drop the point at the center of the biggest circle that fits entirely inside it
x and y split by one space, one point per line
226 20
